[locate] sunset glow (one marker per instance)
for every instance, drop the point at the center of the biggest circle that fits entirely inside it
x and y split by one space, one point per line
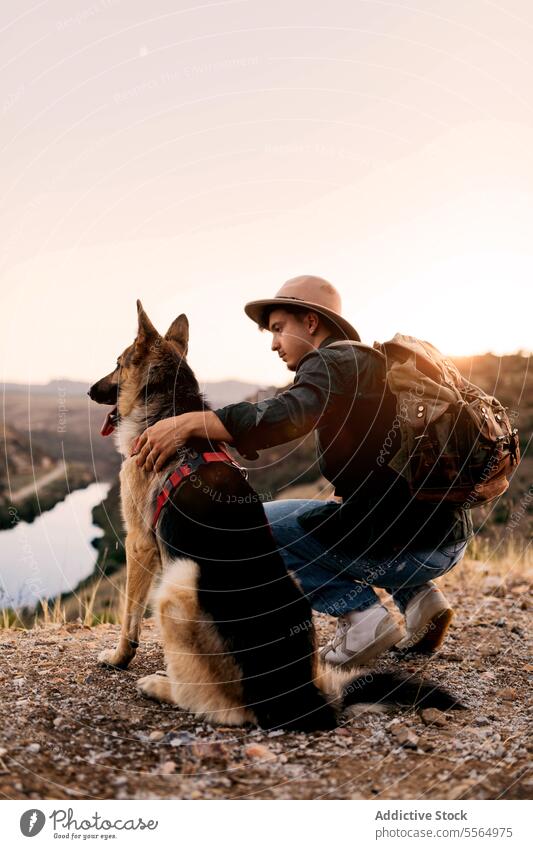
200 159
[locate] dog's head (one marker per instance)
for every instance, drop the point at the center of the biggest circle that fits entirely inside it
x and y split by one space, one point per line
142 369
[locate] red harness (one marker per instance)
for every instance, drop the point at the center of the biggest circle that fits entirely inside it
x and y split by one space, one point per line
195 460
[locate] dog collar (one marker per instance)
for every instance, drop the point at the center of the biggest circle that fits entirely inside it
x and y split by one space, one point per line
190 461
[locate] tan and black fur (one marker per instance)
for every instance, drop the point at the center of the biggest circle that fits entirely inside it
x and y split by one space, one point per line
237 632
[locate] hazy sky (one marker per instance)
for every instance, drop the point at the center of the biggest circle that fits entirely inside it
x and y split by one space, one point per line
196 155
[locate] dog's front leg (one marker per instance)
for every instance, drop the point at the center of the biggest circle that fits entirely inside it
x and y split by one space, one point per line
142 563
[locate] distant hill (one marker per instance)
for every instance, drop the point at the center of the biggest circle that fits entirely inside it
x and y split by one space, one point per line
218 392
222 392
24 456
65 423
26 468
53 387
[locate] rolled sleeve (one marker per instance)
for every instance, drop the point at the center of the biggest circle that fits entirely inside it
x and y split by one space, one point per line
289 415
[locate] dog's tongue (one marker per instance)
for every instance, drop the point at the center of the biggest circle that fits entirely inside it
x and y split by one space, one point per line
108 425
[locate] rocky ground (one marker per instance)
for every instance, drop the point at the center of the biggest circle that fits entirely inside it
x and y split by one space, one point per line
72 730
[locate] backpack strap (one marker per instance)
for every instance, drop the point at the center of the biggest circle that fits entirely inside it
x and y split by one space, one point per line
376 347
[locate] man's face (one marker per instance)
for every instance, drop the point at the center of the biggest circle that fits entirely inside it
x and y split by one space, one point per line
293 336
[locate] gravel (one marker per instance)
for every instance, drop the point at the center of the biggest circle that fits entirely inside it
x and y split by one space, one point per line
72 730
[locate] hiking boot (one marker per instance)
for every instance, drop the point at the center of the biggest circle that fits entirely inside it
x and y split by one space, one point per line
362 635
427 618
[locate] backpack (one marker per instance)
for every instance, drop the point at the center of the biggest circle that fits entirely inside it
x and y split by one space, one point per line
457 443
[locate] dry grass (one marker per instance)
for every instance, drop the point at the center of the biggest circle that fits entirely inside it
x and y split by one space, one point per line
96 604
508 561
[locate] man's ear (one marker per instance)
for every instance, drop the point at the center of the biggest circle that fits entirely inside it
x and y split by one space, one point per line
313 320
146 332
178 332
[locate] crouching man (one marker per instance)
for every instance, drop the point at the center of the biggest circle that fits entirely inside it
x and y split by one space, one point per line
373 534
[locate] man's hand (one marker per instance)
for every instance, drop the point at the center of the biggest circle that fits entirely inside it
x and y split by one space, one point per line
160 441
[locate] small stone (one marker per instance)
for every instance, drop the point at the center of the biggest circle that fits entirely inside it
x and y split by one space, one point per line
343 732
406 737
481 720
155 736
458 791
494 586
276 733
452 657
202 750
433 716
490 650
3 752
34 748
180 738
258 752
58 722
507 693
167 768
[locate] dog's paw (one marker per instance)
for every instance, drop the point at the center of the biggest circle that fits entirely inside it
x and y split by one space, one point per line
155 687
110 657
143 685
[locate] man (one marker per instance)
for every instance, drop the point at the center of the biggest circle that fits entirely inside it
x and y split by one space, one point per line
373 533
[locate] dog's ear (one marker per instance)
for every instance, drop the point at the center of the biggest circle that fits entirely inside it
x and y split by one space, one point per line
178 332
146 331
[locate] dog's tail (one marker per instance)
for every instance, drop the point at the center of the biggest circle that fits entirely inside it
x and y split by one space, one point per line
391 688
303 709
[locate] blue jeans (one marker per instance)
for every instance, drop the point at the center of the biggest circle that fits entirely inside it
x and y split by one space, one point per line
337 582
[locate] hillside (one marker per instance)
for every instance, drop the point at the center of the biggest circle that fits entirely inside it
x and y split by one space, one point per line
65 424
73 730
31 479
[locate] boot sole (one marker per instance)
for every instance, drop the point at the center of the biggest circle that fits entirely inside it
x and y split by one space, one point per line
431 636
379 646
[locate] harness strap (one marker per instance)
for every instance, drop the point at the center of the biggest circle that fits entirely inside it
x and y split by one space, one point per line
184 471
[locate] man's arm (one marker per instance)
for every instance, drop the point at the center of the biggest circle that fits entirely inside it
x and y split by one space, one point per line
208 425
287 416
160 441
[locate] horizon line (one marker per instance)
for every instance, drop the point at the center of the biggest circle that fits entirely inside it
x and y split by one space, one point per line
520 352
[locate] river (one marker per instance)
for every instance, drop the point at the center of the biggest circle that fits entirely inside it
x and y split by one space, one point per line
53 554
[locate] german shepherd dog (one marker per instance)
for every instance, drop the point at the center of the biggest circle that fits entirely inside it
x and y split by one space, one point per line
237 632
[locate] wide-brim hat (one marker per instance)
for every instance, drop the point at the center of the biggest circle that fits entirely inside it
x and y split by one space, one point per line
316 294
